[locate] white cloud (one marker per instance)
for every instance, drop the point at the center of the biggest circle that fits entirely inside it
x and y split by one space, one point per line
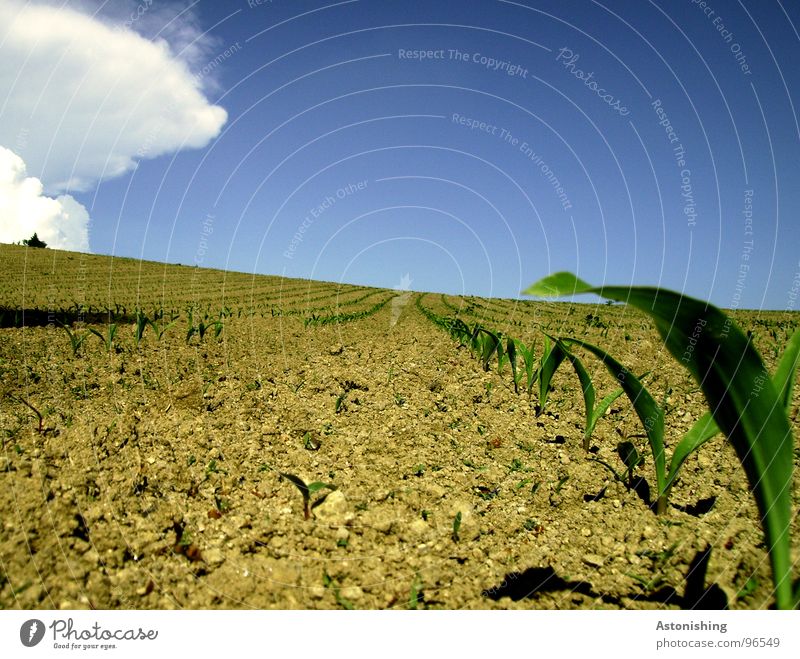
62 222
85 100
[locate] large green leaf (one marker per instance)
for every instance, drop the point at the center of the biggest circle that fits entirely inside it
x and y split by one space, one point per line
702 431
705 428
741 396
552 357
787 367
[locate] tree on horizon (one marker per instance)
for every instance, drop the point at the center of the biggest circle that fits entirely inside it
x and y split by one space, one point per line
34 241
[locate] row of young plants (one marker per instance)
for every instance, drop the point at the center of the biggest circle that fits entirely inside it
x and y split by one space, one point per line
336 318
321 310
161 321
158 323
744 402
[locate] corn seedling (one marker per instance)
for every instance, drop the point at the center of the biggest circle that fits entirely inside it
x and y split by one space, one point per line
140 324
552 356
490 344
649 412
160 328
593 413
75 339
328 582
108 338
741 397
415 597
456 526
631 458
307 490
529 361
311 443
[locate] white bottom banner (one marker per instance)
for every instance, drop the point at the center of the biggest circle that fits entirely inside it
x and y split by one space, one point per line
396 634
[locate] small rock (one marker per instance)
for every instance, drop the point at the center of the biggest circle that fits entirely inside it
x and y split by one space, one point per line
333 509
382 525
342 533
417 528
593 560
586 532
352 593
214 556
435 491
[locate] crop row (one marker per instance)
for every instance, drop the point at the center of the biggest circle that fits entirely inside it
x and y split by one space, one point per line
336 318
747 405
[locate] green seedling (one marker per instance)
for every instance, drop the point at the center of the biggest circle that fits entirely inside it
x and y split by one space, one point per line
741 397
75 340
456 526
490 344
748 589
328 582
593 413
552 356
631 458
161 328
140 324
649 412
415 596
108 337
529 360
311 443
307 490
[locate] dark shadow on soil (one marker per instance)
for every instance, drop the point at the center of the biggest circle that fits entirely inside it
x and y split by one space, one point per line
702 507
697 595
43 317
538 580
594 497
642 489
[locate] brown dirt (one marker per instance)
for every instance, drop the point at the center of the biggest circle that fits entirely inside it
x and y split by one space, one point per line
155 482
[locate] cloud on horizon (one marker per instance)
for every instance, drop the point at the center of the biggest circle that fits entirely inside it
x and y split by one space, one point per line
86 100
62 223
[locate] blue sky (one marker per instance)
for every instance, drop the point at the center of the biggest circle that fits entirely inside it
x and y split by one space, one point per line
630 142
